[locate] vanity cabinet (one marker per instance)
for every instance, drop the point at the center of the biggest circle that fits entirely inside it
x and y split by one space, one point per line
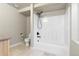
4 46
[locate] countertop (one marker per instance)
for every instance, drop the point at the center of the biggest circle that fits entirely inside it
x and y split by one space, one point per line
2 38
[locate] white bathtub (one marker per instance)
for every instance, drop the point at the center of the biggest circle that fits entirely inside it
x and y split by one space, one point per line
52 48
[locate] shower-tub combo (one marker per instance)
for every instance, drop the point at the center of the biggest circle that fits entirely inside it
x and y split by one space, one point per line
50 31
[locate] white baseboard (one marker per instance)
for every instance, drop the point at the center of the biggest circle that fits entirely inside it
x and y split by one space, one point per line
14 45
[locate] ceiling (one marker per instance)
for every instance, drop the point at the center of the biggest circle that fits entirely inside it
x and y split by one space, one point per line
45 8
19 5
51 7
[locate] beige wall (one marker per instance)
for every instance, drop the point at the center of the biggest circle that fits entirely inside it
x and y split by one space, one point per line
74 46
11 23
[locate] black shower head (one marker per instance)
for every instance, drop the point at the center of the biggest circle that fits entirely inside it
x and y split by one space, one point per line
39 13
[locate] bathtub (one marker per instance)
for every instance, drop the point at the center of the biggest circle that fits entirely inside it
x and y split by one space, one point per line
52 49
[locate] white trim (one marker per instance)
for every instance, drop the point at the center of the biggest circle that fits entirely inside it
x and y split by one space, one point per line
32 24
16 44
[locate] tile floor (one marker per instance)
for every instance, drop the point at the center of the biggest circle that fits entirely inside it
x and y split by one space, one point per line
19 50
22 50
